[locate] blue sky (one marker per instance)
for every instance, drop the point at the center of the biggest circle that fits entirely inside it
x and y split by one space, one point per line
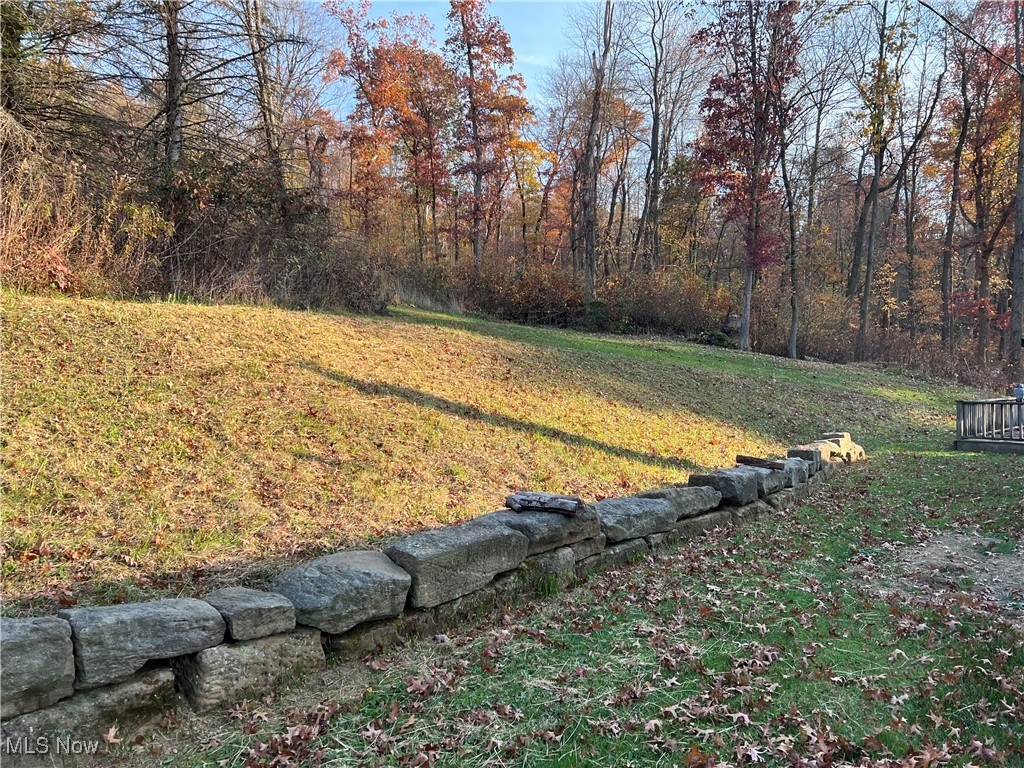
535 26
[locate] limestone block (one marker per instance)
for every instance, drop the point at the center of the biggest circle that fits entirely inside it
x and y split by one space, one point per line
227 673
829 450
558 565
366 638
842 439
446 563
738 485
624 553
634 517
37 664
336 592
658 542
801 491
250 613
589 547
85 717
809 454
693 527
784 499
688 501
750 512
768 480
546 530
113 642
794 473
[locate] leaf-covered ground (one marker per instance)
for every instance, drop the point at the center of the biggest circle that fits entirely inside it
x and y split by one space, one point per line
165 449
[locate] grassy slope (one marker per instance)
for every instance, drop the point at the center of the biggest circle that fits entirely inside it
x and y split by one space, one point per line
163 448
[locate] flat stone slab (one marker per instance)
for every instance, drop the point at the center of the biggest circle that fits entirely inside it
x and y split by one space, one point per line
634 517
250 613
546 530
114 642
738 485
37 664
220 676
336 592
624 553
768 481
85 717
692 527
446 563
688 501
545 502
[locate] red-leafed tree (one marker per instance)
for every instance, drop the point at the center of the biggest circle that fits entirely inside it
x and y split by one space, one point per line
404 105
739 149
492 101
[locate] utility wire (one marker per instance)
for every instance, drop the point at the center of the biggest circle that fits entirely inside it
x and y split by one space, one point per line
972 38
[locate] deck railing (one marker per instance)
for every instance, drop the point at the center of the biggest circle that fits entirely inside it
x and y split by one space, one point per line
990 420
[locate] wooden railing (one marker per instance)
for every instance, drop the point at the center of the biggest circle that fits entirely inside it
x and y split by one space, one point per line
990 420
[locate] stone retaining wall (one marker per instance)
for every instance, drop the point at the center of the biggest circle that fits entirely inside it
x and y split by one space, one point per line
75 675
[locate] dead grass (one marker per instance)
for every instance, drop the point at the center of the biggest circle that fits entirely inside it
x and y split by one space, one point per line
166 448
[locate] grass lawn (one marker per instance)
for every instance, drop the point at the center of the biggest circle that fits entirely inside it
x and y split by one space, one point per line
165 449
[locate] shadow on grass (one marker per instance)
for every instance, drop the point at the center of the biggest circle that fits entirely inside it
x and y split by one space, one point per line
443 405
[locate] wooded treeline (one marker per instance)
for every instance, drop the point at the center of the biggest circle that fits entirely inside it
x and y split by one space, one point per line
841 180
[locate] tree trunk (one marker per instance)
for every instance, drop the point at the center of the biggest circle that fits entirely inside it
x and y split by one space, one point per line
271 124
174 88
946 278
1017 263
588 193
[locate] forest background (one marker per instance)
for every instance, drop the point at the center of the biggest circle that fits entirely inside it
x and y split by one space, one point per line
842 180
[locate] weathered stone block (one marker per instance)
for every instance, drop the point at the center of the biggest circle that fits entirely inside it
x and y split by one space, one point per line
546 530
750 512
809 454
794 473
446 563
693 527
842 439
624 553
557 567
828 470
784 499
658 542
738 485
588 547
220 676
37 664
366 638
339 591
250 613
829 451
113 642
687 501
634 517
768 480
801 491
86 716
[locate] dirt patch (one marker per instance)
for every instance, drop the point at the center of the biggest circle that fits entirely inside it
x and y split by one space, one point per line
951 562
